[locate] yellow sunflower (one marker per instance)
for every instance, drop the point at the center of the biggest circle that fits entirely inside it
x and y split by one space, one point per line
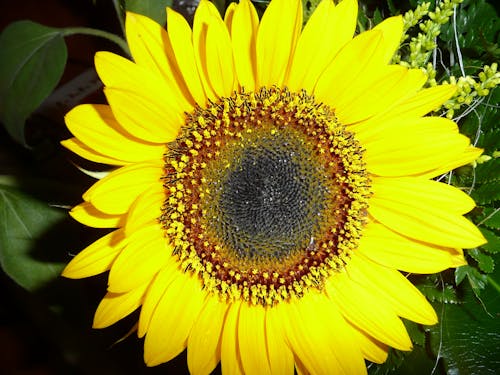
271 182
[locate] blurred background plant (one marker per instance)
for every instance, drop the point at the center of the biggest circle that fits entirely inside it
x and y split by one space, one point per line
47 68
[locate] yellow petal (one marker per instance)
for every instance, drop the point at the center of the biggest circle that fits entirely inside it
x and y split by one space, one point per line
376 92
372 349
281 359
204 341
154 293
230 357
392 288
390 249
412 207
96 258
145 254
252 339
419 104
96 126
328 29
350 62
374 130
392 29
151 49
465 157
118 190
320 337
406 153
180 36
244 27
228 16
144 119
173 317
206 12
79 148
277 36
219 58
418 192
116 306
88 215
146 209
116 71
364 311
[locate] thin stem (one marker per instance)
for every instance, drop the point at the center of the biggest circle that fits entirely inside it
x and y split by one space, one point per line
459 52
493 283
487 217
100 33
119 14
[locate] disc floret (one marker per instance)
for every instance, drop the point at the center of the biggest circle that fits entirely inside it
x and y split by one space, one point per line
267 195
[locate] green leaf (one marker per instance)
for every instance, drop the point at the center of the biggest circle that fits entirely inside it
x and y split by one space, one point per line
460 274
154 9
484 121
488 171
377 17
415 331
484 261
476 279
486 193
491 218
493 244
468 335
394 360
25 238
435 292
33 60
491 139
478 26
416 362
392 8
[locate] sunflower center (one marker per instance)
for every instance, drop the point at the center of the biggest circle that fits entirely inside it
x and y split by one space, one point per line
270 200
267 195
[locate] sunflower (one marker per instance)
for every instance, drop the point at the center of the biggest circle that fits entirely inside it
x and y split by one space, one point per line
271 183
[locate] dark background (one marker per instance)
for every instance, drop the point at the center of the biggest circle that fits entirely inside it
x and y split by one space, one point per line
49 331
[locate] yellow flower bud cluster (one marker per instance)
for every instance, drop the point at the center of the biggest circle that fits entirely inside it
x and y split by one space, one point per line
421 47
417 52
470 89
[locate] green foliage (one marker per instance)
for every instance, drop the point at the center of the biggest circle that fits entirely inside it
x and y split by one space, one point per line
33 60
394 360
458 29
477 280
490 218
26 239
436 290
484 261
482 125
487 193
493 245
479 30
415 362
488 171
154 9
468 335
416 332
